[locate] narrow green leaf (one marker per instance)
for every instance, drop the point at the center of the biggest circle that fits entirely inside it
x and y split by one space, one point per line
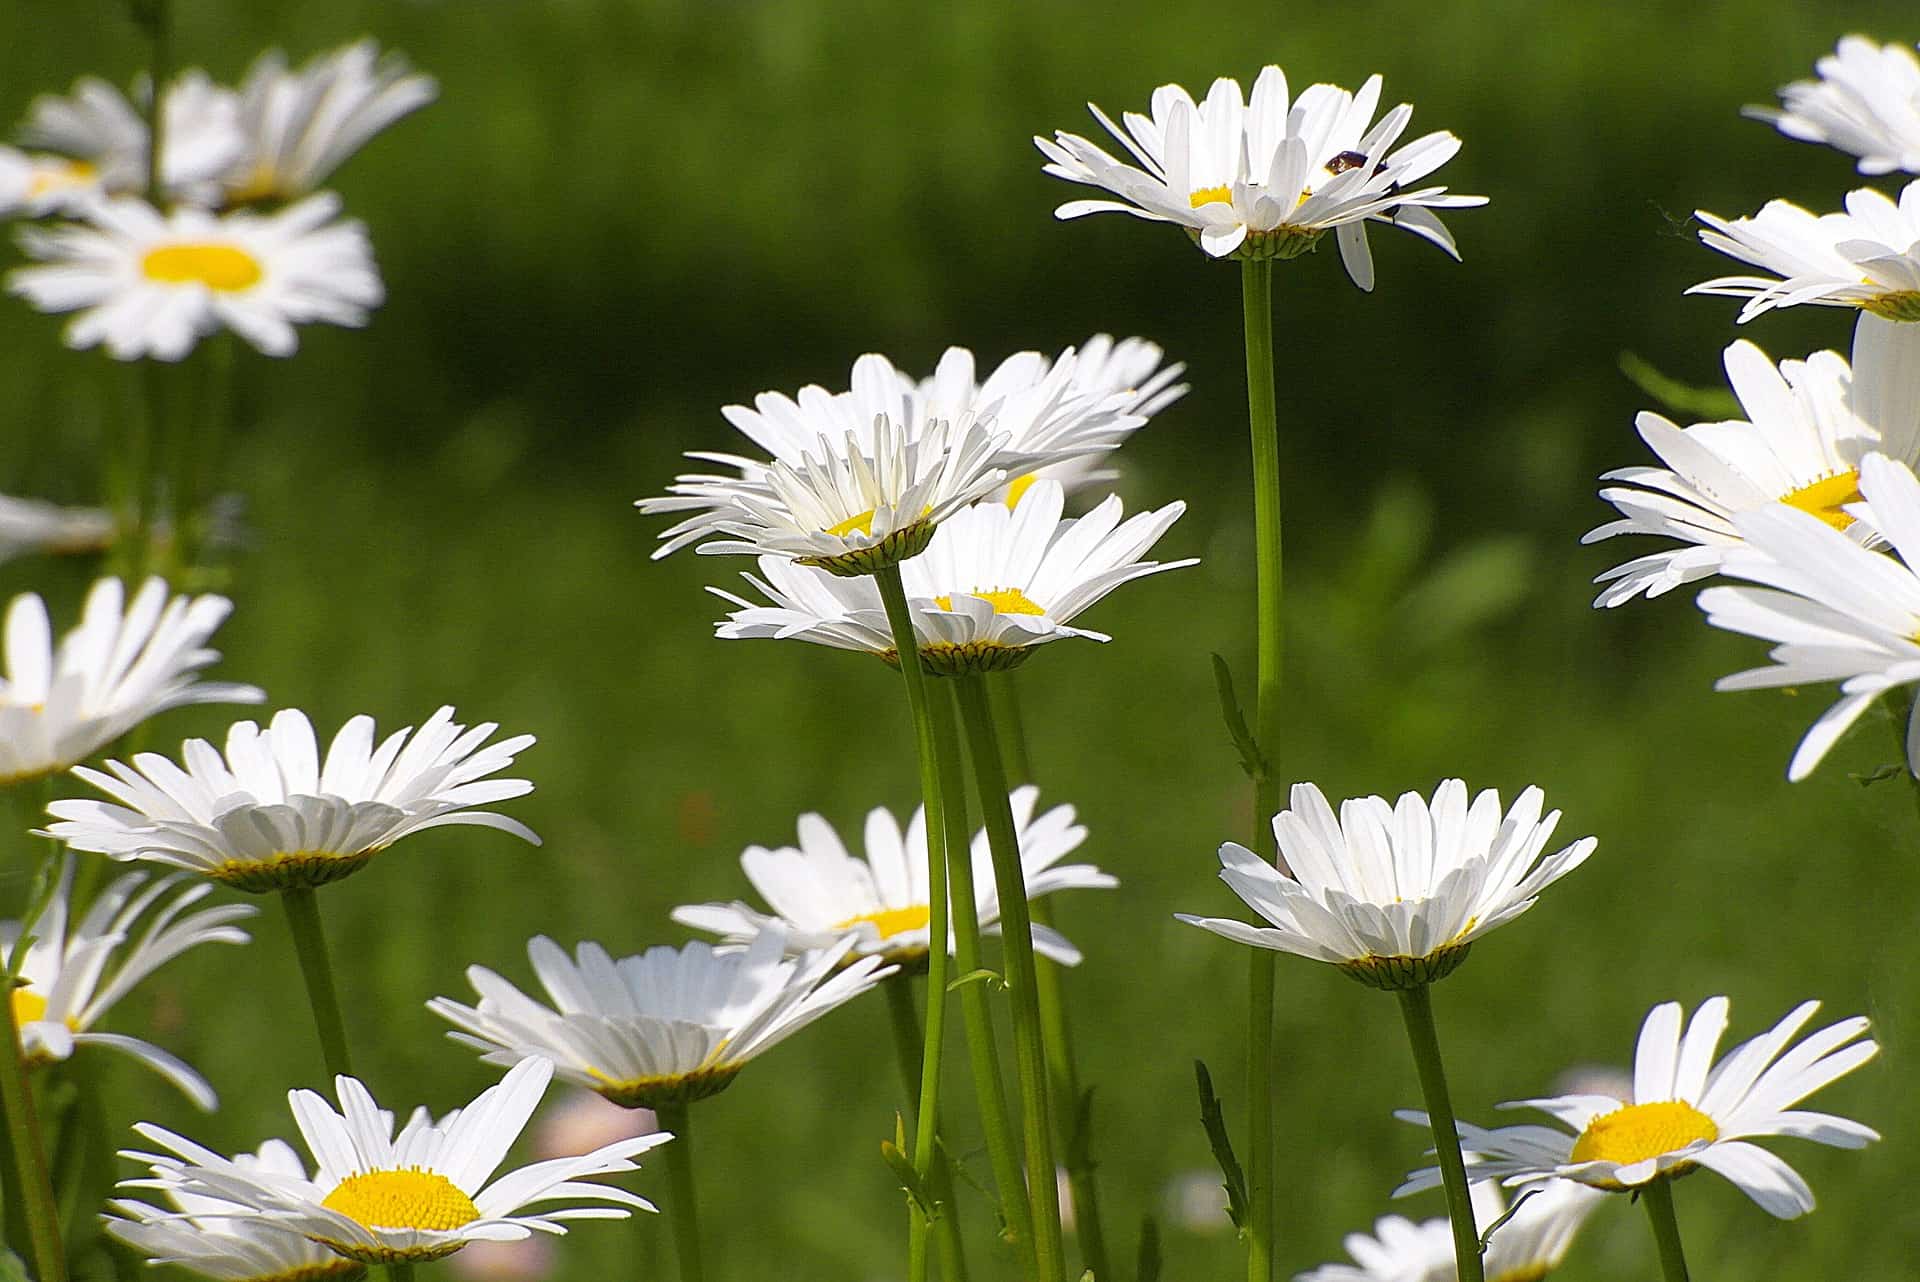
1251 759
1214 1121
991 978
1148 1269
1708 402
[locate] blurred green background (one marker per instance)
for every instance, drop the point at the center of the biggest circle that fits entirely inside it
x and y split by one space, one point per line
623 214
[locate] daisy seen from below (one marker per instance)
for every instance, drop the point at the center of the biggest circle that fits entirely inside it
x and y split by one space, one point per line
271 814
877 902
1809 424
216 1238
1867 257
123 663
994 584
146 283
1865 102
73 979
858 481
422 1194
93 141
1527 1247
300 126
1835 611
1266 177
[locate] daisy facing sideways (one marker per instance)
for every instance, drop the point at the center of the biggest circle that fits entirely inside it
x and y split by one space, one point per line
93 142
1687 1111
1836 611
823 896
1867 257
1866 102
1266 178
422 1194
271 814
1527 1247
1808 425
146 283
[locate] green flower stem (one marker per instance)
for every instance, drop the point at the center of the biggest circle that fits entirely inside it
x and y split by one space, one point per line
400 1271
1416 1007
900 617
682 1210
990 1092
1016 928
310 941
905 1020
1658 1198
154 18
1256 297
29 1150
1063 1071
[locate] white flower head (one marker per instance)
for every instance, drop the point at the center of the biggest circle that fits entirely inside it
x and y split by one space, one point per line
219 1239
151 284
1687 1111
73 978
102 138
1808 425
302 125
1866 102
859 480
1867 257
271 814
993 584
1266 178
823 896
1835 610
34 525
61 704
424 1193
1530 1245
667 1026
1394 893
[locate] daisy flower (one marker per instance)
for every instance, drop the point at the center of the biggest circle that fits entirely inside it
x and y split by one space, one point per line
1836 611
1266 178
302 125
151 284
219 1239
1528 1247
1687 1111
35 525
102 138
383 1198
664 1027
271 815
1808 425
1394 894
823 896
60 705
1866 103
1867 257
994 584
859 480
72 979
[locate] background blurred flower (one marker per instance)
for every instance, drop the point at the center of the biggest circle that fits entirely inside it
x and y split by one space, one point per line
1866 102
35 525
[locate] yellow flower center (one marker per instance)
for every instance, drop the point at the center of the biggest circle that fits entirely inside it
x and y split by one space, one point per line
1211 196
1017 488
1641 1131
406 1199
225 268
1825 498
862 523
891 921
261 183
28 1007
59 175
1003 601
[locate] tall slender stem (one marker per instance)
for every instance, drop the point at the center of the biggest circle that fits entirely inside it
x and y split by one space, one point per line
155 17
683 1210
900 618
1658 1196
990 1092
310 942
1416 1007
1016 929
29 1148
400 1271
906 1048
1256 296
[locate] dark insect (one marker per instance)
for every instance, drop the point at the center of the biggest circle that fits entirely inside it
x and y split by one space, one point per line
1352 160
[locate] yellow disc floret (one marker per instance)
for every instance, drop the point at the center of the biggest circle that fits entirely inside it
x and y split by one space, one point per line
1826 498
861 523
406 1199
1222 195
1639 1132
890 921
28 1007
225 268
1003 601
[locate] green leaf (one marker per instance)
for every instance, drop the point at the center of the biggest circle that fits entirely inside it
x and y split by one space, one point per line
1148 1268
1714 403
1251 759
1880 775
1214 1122
894 1153
991 978
12 1268
1486 1239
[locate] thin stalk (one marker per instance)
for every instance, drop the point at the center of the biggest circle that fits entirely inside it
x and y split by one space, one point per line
1016 930
990 1091
1012 725
212 424
29 1148
153 15
683 1210
905 1019
310 942
1416 1007
400 1271
1256 296
900 618
1658 1196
